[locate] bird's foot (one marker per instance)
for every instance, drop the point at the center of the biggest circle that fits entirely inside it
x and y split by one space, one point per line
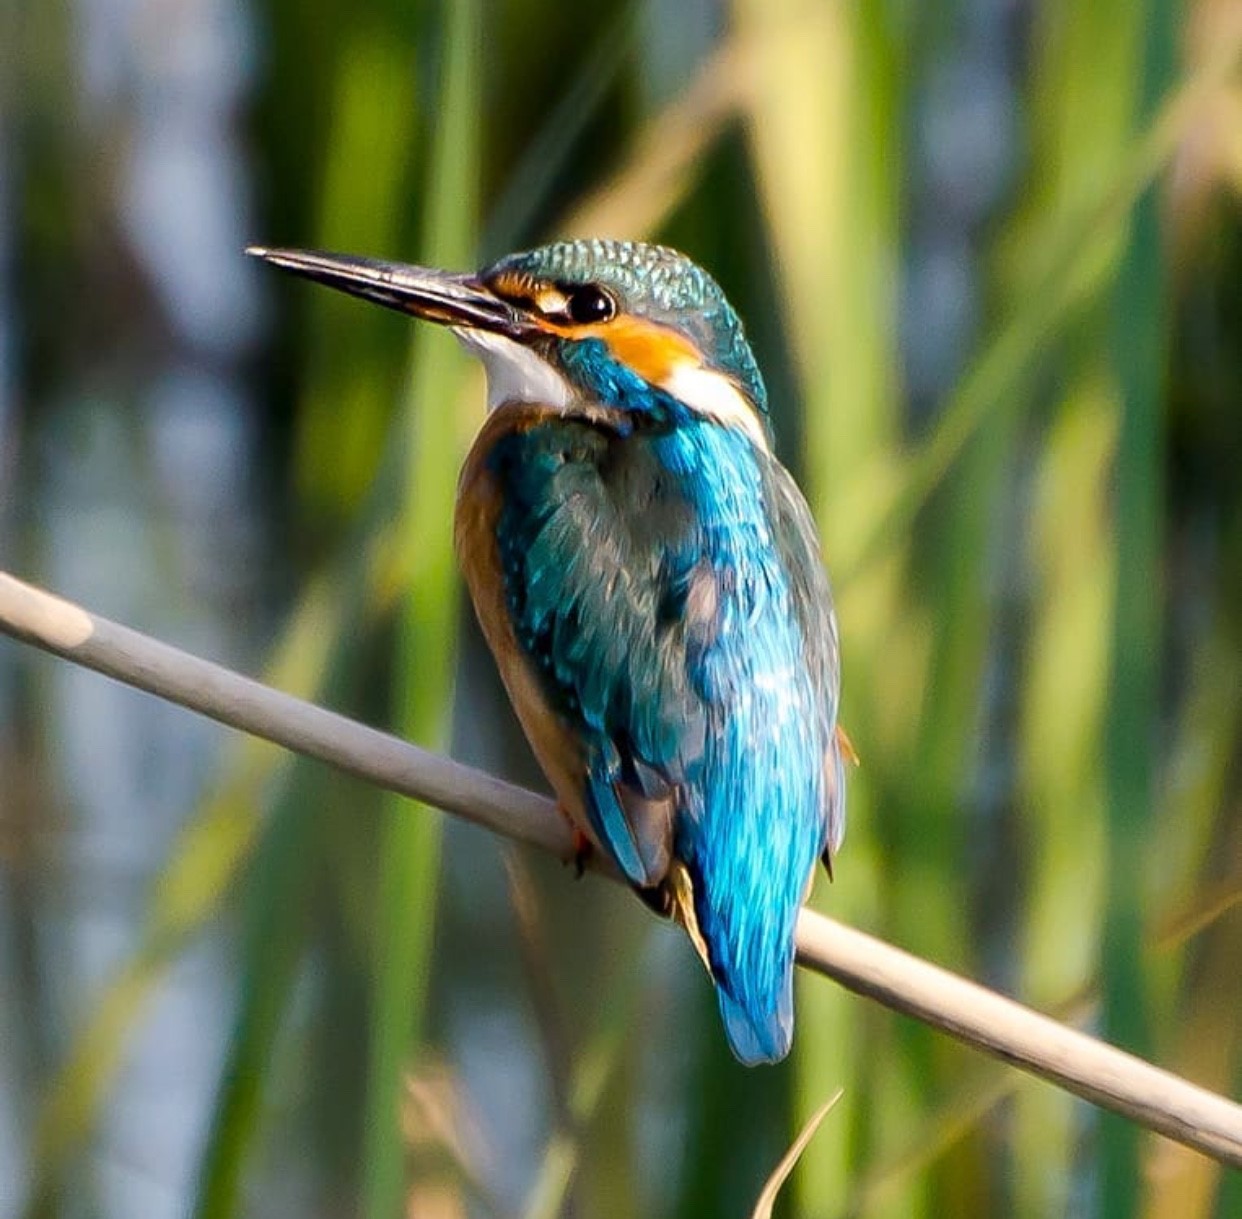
657 899
583 850
582 847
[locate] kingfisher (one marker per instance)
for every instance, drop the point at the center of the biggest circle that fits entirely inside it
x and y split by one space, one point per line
649 580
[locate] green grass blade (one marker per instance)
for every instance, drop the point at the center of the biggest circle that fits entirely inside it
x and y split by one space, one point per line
345 416
824 136
1139 355
886 492
275 925
512 217
426 644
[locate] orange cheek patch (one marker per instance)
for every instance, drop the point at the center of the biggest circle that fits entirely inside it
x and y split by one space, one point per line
652 351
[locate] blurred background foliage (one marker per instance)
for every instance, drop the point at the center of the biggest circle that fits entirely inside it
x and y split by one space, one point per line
989 254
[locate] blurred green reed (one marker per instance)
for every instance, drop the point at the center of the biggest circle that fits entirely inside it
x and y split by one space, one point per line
1139 358
425 647
1007 588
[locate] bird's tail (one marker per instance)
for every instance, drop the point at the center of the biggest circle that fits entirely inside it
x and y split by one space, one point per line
758 1036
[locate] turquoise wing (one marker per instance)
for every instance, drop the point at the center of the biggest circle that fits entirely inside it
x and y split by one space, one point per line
811 597
593 592
668 591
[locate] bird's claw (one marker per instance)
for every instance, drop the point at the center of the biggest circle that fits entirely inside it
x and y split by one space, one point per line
583 850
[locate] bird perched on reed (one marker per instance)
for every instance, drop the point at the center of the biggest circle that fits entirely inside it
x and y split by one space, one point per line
649 580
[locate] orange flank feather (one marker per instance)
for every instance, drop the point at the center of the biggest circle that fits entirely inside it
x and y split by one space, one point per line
474 537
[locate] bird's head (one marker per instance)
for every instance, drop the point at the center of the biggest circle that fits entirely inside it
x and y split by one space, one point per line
634 332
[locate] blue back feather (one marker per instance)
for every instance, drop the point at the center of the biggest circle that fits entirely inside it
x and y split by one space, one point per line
644 581
754 825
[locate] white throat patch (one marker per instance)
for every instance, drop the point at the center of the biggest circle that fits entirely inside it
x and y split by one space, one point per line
515 373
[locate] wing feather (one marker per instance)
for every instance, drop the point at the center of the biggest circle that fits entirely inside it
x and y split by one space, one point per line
812 601
585 585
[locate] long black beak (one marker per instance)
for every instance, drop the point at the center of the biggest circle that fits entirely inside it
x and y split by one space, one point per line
446 297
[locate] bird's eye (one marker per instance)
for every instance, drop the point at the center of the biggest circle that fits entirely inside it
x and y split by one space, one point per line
588 303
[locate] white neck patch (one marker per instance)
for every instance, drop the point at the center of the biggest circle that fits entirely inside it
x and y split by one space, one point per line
515 373
712 394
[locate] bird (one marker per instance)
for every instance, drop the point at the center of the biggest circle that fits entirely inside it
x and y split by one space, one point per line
649 580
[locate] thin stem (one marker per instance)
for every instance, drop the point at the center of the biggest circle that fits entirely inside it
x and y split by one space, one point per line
973 1014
